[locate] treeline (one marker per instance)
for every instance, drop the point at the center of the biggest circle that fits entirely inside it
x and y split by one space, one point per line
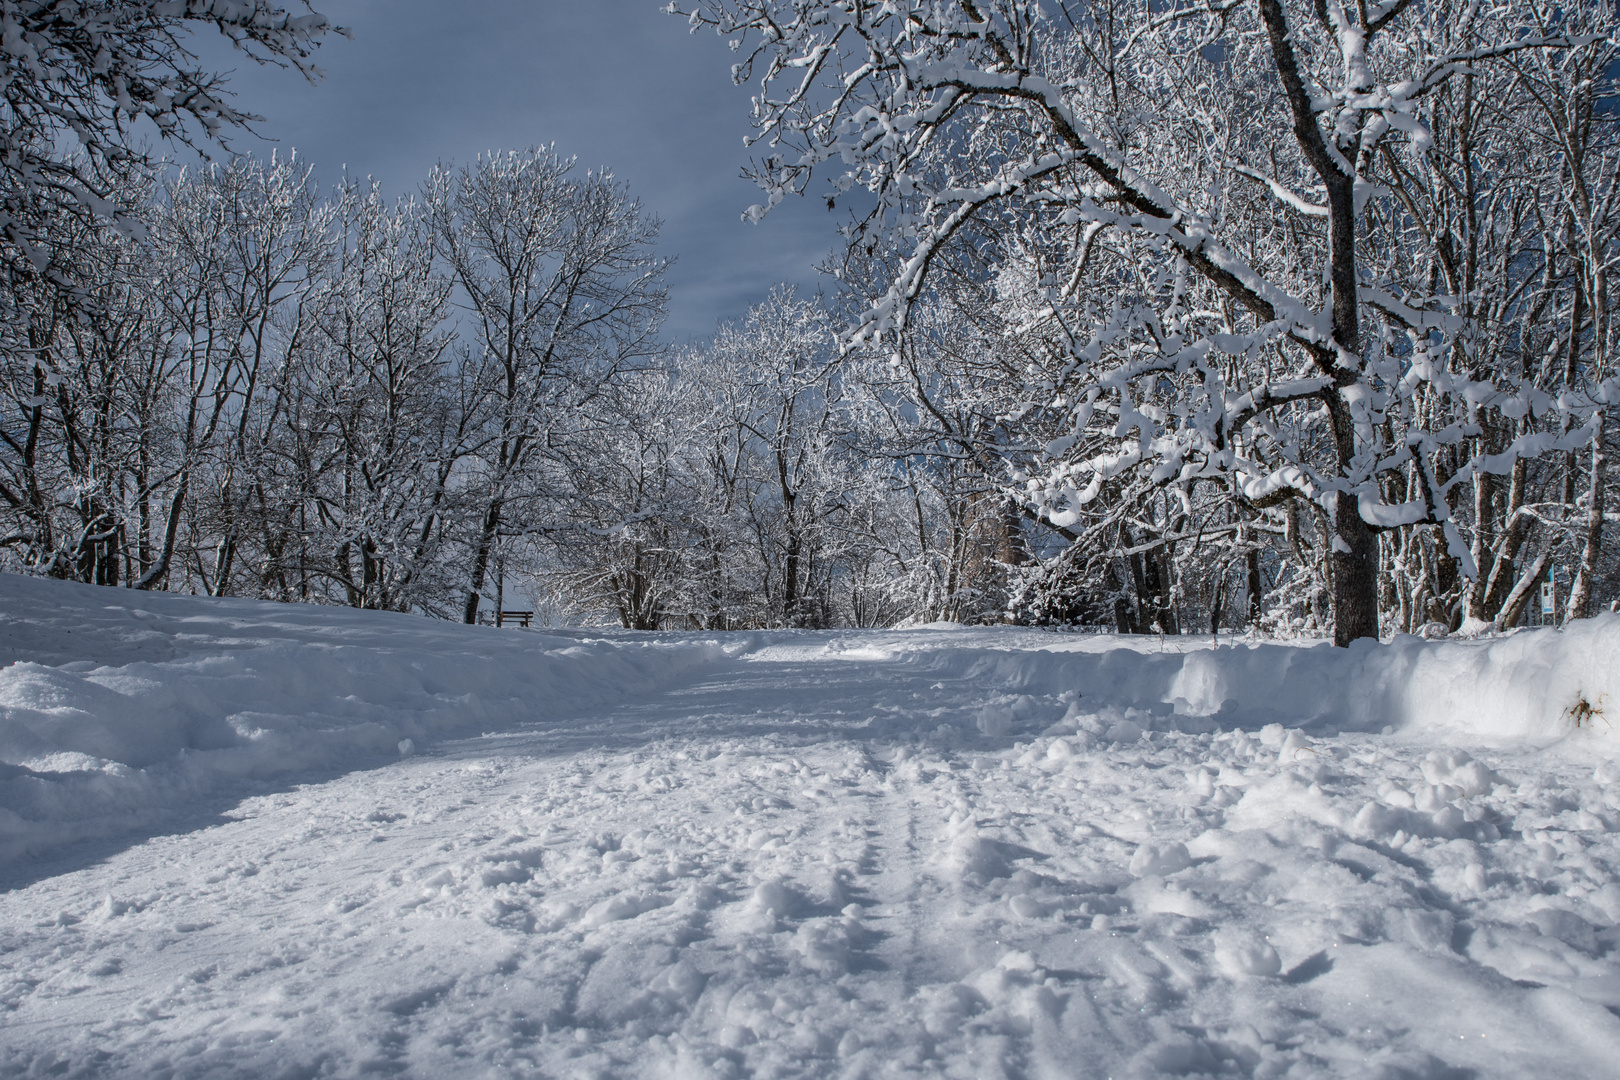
246 387
459 400
1298 318
241 387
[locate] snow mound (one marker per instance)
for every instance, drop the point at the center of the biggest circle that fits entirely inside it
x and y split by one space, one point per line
1537 684
117 708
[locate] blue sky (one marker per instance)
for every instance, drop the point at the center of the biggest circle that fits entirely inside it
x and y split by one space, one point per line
615 83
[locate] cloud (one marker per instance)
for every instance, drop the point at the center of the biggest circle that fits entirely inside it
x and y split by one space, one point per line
615 83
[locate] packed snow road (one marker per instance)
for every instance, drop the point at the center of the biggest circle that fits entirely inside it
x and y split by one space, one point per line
926 853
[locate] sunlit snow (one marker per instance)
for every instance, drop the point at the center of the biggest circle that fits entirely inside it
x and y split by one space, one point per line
244 839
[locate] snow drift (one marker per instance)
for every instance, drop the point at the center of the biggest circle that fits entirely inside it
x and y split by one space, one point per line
1527 685
118 707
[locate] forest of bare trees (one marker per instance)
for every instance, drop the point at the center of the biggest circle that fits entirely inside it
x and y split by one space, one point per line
1289 318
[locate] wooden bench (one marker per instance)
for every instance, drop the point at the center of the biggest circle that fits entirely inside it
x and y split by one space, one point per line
522 618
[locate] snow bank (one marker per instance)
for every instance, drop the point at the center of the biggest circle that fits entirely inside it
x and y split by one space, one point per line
119 708
1526 685
945 851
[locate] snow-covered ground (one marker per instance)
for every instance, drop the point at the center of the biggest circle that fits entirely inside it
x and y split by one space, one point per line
242 839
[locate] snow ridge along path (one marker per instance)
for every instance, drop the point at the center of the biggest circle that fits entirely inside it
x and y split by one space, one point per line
939 852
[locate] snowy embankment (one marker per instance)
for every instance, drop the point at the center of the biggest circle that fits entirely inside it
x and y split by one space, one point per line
119 708
1527 685
945 852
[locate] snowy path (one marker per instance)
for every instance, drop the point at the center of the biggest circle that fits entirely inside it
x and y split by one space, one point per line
812 861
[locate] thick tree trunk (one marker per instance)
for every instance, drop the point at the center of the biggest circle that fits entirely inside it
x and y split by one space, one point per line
790 575
1355 548
1161 583
225 558
345 569
1012 550
1497 585
1476 591
1355 574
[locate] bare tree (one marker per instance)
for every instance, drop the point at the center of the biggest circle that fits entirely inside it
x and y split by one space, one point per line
563 293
